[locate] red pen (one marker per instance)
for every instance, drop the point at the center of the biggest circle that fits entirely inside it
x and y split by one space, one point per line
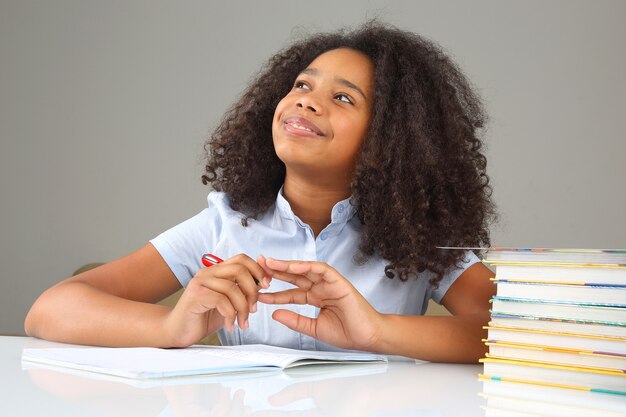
208 259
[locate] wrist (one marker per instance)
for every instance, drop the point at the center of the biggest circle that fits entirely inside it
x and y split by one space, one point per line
172 334
393 335
380 340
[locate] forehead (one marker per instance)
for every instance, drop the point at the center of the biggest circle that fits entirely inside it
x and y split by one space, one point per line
347 64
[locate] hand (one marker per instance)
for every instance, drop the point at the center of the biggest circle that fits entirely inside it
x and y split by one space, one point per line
345 319
216 297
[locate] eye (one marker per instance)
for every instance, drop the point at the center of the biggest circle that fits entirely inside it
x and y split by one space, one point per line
301 85
344 98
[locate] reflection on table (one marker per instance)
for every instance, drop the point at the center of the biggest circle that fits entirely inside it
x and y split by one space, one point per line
400 388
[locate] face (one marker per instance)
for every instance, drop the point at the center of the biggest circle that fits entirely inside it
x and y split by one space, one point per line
320 124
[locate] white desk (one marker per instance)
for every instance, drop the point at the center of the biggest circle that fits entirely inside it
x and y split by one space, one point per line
400 389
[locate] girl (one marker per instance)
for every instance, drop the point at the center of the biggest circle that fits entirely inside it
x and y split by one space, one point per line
355 154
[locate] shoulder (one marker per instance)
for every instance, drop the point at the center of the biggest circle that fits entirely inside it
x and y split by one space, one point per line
219 201
206 224
452 275
181 245
471 290
219 204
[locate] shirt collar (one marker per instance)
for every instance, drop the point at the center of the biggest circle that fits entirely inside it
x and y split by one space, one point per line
342 211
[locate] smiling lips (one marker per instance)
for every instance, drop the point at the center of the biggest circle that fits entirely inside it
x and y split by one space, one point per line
301 126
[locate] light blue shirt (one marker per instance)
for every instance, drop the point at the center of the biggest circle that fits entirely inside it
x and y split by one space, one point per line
280 234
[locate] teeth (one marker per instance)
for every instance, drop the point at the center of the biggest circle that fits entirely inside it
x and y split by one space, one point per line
297 126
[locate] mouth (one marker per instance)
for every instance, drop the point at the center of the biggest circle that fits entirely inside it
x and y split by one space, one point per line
301 126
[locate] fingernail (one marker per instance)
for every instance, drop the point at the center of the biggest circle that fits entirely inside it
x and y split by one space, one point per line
246 324
253 308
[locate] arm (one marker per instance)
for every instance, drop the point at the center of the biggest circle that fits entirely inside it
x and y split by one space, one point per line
347 320
112 305
456 338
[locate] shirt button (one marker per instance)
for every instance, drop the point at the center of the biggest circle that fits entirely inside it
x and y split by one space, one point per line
324 236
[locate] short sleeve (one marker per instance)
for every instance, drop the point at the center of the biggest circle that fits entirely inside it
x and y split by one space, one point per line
468 260
183 245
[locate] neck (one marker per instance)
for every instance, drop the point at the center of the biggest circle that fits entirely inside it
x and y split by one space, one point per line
313 202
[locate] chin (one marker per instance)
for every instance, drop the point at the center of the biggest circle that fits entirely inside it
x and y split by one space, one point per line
290 157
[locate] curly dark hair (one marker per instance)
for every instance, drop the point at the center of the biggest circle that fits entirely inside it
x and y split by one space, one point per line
420 180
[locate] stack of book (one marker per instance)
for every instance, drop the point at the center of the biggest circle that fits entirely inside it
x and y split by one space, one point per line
557 334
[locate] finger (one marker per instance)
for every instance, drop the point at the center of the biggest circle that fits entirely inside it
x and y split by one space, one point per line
226 310
293 296
296 267
219 302
235 296
234 272
256 271
315 271
265 282
297 322
300 281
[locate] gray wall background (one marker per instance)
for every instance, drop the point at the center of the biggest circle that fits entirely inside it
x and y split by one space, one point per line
104 107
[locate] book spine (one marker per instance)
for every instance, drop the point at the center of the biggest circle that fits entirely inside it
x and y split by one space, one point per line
558 320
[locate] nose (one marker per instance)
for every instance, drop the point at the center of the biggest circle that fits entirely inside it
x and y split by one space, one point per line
310 103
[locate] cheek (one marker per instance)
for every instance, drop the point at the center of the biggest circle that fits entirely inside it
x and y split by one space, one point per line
276 119
282 105
278 112
352 131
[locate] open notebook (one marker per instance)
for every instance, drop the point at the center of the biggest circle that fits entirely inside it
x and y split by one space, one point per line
146 363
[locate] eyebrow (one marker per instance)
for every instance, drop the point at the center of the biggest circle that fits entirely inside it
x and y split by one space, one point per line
342 81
